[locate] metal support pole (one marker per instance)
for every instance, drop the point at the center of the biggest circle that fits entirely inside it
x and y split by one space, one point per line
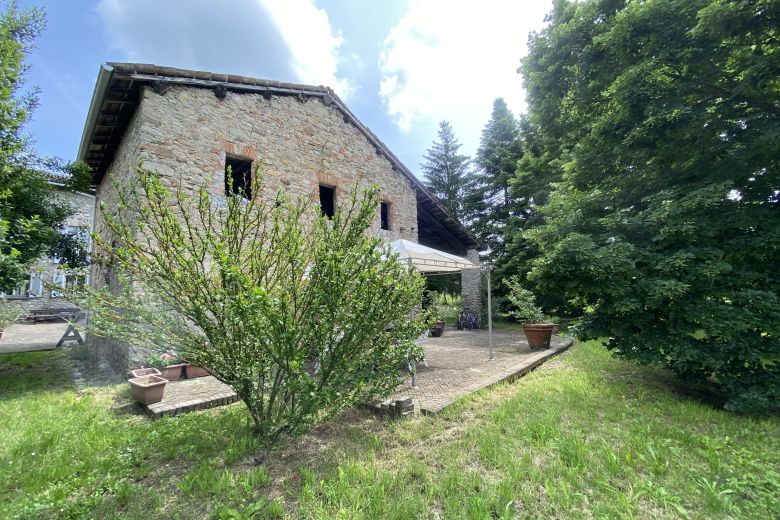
490 314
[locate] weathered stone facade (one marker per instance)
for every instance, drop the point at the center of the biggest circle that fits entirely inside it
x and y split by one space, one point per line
470 288
186 134
187 124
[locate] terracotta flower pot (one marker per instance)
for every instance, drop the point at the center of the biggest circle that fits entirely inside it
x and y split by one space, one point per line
556 328
140 372
438 329
172 372
538 334
193 371
147 389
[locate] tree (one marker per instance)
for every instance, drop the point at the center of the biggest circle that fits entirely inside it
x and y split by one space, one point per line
447 173
496 160
665 228
548 134
300 314
30 213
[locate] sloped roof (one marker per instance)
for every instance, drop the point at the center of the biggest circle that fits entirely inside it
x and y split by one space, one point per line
117 94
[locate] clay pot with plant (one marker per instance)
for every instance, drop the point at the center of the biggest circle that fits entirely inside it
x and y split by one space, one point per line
170 366
536 325
442 305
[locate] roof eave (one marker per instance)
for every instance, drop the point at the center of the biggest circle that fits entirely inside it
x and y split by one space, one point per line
104 76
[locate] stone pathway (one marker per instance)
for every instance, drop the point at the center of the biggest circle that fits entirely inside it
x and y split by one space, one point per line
188 395
28 337
458 364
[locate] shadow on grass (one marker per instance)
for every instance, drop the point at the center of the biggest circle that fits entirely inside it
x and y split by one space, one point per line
24 372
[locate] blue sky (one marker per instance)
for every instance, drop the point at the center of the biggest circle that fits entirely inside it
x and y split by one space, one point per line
401 66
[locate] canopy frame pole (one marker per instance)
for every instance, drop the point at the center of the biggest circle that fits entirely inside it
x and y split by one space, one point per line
489 312
414 363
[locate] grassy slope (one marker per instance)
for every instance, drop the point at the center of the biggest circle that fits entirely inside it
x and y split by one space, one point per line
584 436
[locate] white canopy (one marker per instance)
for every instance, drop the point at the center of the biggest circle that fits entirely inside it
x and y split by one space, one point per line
428 260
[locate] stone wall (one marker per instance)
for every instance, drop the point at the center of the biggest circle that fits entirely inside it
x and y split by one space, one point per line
297 144
120 174
470 289
186 134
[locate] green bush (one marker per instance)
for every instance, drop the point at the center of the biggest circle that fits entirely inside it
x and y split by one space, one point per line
301 315
446 307
522 303
661 122
160 361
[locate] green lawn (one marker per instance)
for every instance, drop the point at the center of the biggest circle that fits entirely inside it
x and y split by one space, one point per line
583 436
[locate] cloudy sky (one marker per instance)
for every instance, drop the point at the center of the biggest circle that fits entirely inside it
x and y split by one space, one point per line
401 65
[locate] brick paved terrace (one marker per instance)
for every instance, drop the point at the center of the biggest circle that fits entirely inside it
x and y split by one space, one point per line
458 364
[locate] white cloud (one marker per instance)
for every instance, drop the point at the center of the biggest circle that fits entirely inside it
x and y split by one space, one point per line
311 40
290 40
451 59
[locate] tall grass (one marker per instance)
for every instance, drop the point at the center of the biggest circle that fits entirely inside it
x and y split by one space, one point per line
585 436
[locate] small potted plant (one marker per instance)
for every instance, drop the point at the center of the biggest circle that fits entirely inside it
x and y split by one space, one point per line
538 330
170 366
442 305
147 389
8 314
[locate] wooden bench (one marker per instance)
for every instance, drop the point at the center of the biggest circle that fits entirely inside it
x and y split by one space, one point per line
52 314
71 314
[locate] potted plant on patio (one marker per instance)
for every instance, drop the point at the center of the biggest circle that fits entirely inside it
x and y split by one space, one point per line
8 314
170 366
538 330
147 389
443 305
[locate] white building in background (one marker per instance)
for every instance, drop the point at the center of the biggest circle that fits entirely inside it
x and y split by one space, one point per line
34 293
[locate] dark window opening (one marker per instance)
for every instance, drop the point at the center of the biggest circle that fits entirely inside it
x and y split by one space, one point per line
238 177
384 213
328 200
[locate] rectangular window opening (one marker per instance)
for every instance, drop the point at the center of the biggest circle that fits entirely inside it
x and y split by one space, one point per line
238 177
328 200
384 213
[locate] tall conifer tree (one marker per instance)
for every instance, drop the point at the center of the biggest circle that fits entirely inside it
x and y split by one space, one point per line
447 173
499 150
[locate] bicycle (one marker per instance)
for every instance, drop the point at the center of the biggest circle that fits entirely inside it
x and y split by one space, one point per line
468 321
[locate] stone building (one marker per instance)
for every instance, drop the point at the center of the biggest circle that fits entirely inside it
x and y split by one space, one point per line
190 126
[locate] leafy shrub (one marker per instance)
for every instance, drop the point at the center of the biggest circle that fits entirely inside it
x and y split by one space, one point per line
299 314
522 303
160 361
662 228
446 306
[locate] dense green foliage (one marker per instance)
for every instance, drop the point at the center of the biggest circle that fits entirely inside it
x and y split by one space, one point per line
300 314
584 436
662 120
447 173
30 213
